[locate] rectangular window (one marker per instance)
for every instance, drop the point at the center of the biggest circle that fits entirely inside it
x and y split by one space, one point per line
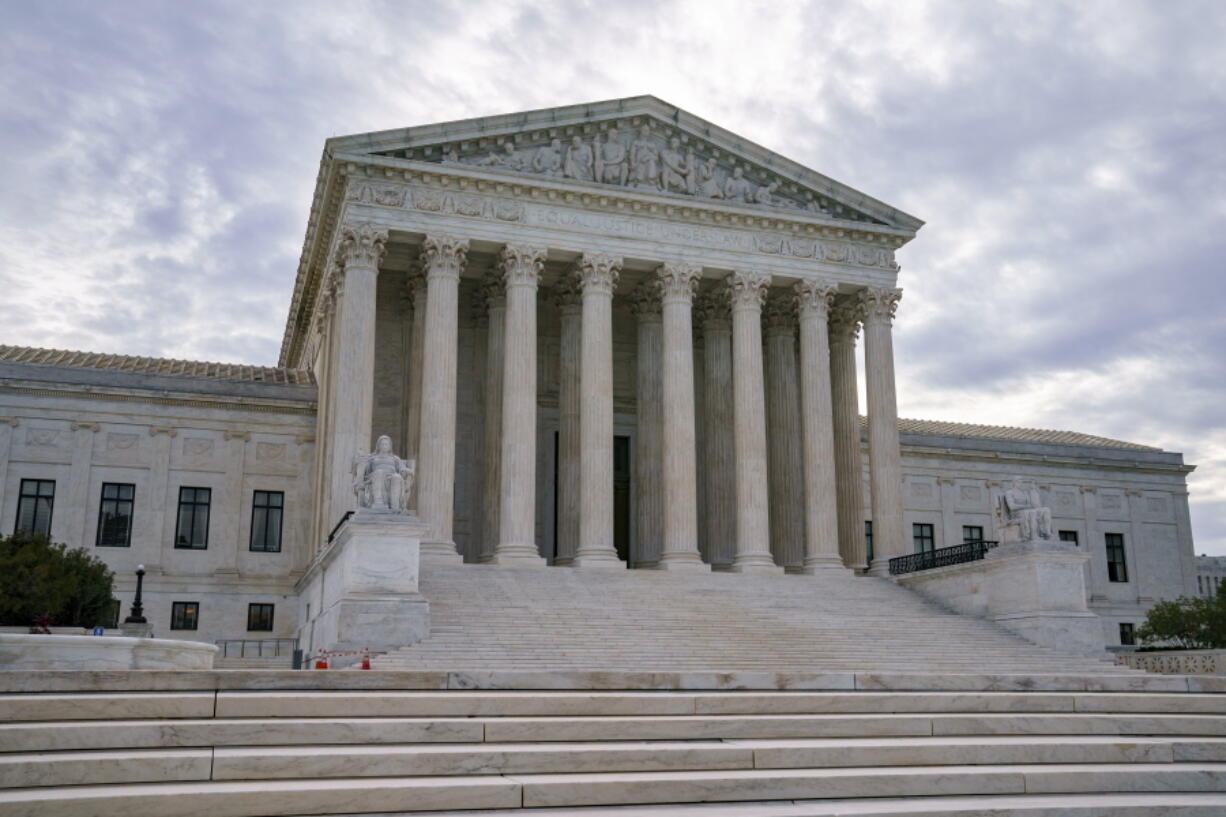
1200 585
192 530
185 615
972 533
34 506
266 511
1127 636
115 515
1069 536
259 617
921 534
1117 565
868 541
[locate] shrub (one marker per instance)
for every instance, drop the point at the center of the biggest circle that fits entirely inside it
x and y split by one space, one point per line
44 583
1187 623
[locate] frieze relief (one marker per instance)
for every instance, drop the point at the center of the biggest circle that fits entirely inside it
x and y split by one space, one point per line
650 157
492 208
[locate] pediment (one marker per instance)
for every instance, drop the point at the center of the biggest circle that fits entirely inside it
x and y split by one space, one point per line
641 144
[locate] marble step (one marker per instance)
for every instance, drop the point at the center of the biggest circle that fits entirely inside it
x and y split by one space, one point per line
188 733
264 798
313 762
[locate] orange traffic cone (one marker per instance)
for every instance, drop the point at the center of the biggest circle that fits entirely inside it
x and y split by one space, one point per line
366 658
322 661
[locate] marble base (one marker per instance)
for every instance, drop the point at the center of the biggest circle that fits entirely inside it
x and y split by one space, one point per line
88 652
362 591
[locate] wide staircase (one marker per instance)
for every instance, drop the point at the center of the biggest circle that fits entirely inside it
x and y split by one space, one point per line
241 744
502 618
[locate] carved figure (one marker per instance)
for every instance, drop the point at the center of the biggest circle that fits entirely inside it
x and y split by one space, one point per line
675 170
611 166
764 194
381 480
738 188
812 206
578 164
709 186
548 159
451 157
645 161
1021 514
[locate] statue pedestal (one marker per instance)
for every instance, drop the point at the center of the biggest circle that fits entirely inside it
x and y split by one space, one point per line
361 592
1036 589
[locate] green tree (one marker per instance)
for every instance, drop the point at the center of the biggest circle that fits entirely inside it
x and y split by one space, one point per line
40 578
1187 623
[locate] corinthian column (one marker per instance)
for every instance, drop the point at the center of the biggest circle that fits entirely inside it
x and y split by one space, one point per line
569 299
678 282
813 300
358 254
494 291
598 274
521 270
746 292
718 429
444 260
417 344
848 466
648 460
783 433
884 457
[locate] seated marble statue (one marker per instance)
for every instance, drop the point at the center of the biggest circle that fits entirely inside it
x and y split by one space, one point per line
381 480
1021 514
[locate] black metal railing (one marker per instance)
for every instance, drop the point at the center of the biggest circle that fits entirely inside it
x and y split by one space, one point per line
942 557
332 535
257 647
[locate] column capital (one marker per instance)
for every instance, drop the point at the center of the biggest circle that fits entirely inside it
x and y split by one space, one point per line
712 313
361 243
443 256
679 280
493 291
598 272
521 265
567 294
779 315
844 322
747 290
878 304
814 297
645 302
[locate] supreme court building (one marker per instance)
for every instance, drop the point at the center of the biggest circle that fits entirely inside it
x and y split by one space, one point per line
609 335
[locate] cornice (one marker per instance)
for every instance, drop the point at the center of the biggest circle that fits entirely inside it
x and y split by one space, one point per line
226 403
995 457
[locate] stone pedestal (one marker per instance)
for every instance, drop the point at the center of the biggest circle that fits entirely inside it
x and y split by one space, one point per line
1035 589
361 592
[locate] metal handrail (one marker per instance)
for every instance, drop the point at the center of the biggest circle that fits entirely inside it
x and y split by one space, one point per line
257 647
942 557
332 535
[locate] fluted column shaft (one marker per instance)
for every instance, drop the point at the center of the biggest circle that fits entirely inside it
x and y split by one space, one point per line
678 282
491 475
848 464
648 443
885 458
360 249
718 429
747 291
784 435
817 424
417 344
599 274
444 259
521 270
570 312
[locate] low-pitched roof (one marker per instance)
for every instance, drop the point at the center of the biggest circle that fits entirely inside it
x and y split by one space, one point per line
155 365
1030 435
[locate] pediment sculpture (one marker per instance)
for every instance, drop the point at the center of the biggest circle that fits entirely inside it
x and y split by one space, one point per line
383 482
649 160
1021 514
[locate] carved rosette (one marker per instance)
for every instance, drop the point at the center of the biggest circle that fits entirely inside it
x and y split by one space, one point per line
879 304
444 255
361 244
747 290
521 266
845 321
814 297
679 281
645 301
711 311
779 315
599 273
568 294
493 291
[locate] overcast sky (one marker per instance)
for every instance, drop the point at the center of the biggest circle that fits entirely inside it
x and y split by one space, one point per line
157 161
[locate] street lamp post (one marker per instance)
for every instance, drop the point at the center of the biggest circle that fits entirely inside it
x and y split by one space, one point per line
135 623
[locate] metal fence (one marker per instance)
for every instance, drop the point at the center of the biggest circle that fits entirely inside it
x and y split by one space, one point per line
942 557
257 647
